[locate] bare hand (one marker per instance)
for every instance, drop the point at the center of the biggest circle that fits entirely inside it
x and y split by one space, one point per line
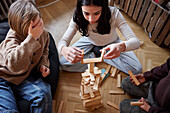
145 106
36 30
139 77
114 50
44 70
72 54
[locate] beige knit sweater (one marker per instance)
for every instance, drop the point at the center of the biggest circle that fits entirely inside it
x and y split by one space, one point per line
18 56
116 21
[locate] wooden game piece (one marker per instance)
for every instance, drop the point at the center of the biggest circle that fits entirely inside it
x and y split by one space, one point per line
133 77
91 67
92 101
119 80
82 89
102 55
91 60
112 105
114 71
117 92
136 103
96 84
91 92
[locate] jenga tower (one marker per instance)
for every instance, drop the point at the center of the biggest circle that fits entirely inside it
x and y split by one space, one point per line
90 93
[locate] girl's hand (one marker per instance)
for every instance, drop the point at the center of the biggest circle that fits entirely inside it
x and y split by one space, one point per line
44 70
36 30
145 106
72 54
114 50
139 77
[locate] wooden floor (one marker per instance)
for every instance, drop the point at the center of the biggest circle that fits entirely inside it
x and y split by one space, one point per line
56 18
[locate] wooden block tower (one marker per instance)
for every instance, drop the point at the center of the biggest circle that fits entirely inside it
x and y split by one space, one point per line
89 89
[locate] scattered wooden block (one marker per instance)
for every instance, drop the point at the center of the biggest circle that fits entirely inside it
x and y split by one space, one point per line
133 77
136 103
112 105
117 92
114 71
119 80
60 106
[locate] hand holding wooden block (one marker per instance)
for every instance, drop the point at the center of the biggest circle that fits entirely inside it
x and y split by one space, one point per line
133 77
137 103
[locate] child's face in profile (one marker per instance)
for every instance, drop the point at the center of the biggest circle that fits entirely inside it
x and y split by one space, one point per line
38 21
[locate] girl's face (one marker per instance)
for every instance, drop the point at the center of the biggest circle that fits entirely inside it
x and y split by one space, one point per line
91 13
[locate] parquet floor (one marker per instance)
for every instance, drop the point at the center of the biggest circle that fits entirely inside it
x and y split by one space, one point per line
56 18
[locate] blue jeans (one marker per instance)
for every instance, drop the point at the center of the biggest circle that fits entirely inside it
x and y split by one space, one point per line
34 90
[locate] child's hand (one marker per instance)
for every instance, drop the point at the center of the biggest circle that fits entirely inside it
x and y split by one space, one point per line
44 70
139 77
72 54
114 50
36 29
145 106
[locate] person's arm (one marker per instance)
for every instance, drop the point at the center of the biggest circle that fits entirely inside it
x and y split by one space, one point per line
156 109
158 72
71 54
68 36
16 54
132 42
43 64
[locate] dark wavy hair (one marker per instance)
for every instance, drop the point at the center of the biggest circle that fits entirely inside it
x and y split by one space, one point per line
103 22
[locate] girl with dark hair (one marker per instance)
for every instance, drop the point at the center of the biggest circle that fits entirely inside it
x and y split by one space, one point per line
97 23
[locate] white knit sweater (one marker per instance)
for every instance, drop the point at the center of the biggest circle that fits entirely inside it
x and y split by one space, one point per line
116 21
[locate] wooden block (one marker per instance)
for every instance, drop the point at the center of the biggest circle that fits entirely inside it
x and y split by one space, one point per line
117 92
112 105
96 84
119 80
92 101
136 103
114 72
133 77
91 60
83 56
91 67
141 43
91 92
92 77
60 106
82 89
102 55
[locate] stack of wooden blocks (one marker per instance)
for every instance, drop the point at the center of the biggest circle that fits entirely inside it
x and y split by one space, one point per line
91 78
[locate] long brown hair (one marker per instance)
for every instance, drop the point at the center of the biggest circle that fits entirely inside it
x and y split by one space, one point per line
20 15
103 22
